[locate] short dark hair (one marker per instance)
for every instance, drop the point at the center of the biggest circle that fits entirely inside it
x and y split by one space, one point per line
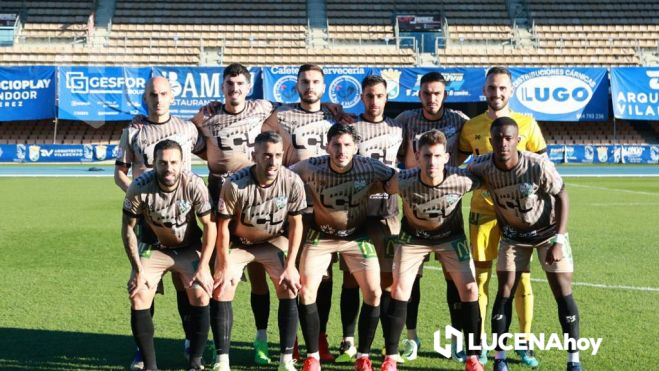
499 71
501 122
432 137
433 77
268 137
166 144
372 80
309 67
340 129
235 69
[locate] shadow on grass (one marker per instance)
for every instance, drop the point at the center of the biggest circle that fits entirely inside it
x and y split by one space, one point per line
26 349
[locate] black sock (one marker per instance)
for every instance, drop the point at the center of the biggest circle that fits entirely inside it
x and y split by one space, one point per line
324 301
349 310
287 317
413 304
568 315
261 309
221 322
454 305
369 316
184 311
198 332
385 301
310 323
471 321
142 326
152 310
396 320
501 313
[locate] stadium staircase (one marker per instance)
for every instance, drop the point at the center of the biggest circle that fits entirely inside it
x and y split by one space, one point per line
104 13
317 20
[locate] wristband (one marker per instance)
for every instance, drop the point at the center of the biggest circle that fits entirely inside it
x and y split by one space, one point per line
561 238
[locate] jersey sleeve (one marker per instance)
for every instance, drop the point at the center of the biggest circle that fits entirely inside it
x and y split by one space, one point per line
536 142
125 154
381 171
297 201
200 198
226 205
133 202
198 140
550 180
473 181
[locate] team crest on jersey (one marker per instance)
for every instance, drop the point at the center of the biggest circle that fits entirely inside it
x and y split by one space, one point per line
359 184
346 91
450 131
525 189
392 77
451 199
284 90
281 201
183 206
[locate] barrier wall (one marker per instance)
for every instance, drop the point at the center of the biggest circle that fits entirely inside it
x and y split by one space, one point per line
585 154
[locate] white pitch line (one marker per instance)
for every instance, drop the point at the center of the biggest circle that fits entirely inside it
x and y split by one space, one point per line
586 284
613 189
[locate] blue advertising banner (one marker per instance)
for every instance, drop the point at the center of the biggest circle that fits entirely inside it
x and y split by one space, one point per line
194 87
463 84
57 152
561 94
101 93
591 154
635 93
27 93
639 154
343 85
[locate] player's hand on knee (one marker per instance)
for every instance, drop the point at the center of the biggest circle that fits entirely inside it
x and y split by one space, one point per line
290 280
554 254
137 284
204 278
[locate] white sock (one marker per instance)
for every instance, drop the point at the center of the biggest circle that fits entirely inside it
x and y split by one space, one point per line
362 355
573 357
223 358
500 354
285 358
262 335
411 334
315 355
350 340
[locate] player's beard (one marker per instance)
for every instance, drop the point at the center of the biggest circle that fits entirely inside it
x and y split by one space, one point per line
309 99
166 182
498 105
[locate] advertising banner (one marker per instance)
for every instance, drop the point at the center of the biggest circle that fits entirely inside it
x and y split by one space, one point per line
561 94
27 93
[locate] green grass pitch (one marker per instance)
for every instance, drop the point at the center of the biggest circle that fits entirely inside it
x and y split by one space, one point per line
64 305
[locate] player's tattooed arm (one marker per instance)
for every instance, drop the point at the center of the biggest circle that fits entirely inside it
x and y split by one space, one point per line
555 252
222 277
203 275
290 278
129 238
